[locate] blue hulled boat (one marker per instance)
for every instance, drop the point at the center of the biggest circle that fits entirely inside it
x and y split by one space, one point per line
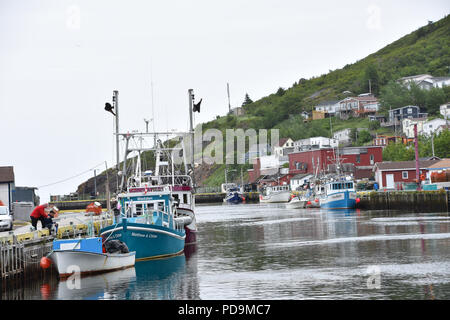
339 194
234 196
147 224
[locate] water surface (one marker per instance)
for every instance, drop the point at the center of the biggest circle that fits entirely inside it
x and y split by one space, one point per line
265 251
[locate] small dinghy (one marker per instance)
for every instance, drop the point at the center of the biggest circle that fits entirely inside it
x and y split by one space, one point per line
87 256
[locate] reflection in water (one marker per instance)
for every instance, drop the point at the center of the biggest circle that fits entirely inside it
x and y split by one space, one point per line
265 251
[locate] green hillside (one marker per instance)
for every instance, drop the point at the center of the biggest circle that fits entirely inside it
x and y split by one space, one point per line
426 50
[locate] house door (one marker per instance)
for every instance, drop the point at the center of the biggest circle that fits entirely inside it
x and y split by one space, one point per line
390 181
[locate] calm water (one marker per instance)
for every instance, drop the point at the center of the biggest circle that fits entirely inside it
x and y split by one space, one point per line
265 251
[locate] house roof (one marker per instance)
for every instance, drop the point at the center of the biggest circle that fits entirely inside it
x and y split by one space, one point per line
282 142
442 164
327 103
6 174
403 165
301 176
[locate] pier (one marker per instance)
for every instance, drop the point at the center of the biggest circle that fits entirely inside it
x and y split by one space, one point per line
22 249
423 201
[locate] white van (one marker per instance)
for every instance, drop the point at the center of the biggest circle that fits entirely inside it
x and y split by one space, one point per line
6 219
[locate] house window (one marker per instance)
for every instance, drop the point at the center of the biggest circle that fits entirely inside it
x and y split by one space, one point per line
358 158
372 159
405 174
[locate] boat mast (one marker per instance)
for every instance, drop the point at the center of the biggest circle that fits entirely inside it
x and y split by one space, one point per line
191 130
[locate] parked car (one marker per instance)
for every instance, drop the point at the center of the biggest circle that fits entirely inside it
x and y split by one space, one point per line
6 219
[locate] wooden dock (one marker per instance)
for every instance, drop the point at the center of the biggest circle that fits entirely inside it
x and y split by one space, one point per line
20 253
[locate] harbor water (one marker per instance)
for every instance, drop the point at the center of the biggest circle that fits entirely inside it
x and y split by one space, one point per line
265 251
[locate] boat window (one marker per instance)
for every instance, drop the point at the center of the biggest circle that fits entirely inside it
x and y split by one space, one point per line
185 198
139 210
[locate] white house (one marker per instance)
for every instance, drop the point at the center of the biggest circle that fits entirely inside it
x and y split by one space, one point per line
328 106
445 110
343 136
315 142
432 126
283 145
299 180
426 81
408 126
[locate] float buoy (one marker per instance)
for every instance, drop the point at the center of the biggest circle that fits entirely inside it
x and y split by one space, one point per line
45 262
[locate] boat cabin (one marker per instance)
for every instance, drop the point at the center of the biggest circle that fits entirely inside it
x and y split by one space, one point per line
275 189
149 209
340 186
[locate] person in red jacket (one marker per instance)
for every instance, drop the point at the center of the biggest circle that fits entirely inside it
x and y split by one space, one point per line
40 214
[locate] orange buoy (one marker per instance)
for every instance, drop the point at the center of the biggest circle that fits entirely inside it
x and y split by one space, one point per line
45 262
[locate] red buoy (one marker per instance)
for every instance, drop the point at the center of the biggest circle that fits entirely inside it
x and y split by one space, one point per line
358 200
308 203
45 262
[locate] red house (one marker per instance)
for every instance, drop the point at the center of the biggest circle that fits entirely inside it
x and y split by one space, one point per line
391 175
357 160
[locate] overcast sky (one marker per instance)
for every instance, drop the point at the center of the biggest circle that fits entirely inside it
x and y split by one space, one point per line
60 61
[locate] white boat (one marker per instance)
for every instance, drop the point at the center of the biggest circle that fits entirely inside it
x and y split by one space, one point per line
297 203
275 194
85 256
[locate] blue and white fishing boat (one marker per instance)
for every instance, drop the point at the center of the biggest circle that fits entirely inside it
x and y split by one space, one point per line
339 194
156 208
233 196
147 223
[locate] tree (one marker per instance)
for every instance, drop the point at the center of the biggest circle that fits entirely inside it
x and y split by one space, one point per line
398 152
363 137
280 92
247 100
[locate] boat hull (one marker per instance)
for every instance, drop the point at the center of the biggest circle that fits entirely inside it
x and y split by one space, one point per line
235 198
275 197
68 262
149 241
296 204
341 200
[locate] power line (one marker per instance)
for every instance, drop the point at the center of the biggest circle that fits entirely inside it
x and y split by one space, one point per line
67 179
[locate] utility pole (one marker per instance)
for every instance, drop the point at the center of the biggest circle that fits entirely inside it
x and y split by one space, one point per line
116 109
95 183
228 91
416 147
432 142
191 130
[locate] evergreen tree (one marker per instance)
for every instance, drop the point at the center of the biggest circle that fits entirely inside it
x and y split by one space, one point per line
247 100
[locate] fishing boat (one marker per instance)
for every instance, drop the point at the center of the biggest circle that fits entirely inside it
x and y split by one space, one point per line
339 194
156 208
233 196
275 194
86 256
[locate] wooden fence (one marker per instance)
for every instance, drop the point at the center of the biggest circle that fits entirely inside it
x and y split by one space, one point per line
22 259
